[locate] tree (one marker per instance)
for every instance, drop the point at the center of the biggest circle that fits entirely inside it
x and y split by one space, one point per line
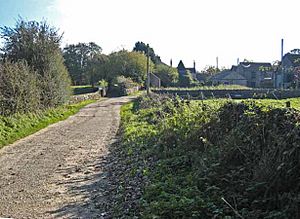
295 51
77 57
38 44
142 47
186 79
168 75
210 70
96 68
128 64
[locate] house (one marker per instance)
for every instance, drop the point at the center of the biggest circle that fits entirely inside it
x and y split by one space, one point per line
250 74
182 69
291 60
257 74
154 80
288 73
229 77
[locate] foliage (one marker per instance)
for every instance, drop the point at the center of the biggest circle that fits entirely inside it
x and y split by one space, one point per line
18 126
78 60
83 89
210 70
142 47
31 41
168 75
127 64
96 69
218 87
87 65
103 84
214 159
121 85
19 91
38 45
186 80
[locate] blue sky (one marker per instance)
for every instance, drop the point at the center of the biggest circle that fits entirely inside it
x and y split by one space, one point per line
38 10
190 30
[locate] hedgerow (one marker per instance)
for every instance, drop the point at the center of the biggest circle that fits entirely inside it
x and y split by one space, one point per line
213 159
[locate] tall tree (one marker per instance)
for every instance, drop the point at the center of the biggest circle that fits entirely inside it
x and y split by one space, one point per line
142 47
128 64
96 68
38 44
77 58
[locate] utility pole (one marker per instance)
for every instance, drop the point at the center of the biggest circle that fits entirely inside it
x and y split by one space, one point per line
148 73
281 67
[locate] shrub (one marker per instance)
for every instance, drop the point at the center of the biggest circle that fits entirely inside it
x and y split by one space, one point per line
212 160
167 75
38 44
121 86
19 91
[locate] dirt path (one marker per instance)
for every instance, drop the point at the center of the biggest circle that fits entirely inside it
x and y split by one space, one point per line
59 171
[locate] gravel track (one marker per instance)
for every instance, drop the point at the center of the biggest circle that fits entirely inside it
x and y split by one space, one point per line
60 172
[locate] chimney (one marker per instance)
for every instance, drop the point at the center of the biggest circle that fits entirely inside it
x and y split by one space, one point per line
171 63
217 60
238 61
281 49
194 65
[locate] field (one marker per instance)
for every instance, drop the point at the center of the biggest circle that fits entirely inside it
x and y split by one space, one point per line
211 159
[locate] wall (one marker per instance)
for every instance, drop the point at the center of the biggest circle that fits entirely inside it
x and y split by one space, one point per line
234 94
82 97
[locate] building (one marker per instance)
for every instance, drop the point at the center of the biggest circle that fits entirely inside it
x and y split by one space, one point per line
257 74
155 81
182 69
250 74
229 77
288 73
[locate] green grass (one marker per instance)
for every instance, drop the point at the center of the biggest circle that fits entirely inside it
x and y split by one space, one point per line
265 103
191 154
83 89
218 87
18 126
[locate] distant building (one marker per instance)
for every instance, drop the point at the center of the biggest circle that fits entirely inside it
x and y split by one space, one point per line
291 60
257 74
229 77
182 69
250 74
288 72
155 81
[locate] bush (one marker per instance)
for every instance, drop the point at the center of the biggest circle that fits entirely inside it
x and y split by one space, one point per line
121 86
55 82
167 75
19 91
186 80
38 45
214 160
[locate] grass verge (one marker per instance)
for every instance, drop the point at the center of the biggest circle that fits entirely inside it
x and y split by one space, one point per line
18 126
210 159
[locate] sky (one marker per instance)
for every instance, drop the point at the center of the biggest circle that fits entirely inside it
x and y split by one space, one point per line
187 30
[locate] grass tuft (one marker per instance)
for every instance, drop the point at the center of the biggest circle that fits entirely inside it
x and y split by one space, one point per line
15 127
